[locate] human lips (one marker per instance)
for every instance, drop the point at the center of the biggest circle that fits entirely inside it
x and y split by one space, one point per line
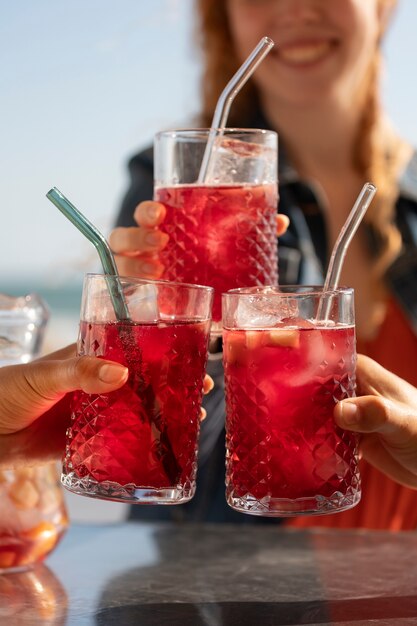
301 53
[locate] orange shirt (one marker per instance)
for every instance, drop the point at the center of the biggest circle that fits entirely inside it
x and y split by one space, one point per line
385 504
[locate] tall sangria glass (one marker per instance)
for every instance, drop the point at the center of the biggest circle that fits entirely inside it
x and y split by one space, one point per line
139 443
285 369
222 228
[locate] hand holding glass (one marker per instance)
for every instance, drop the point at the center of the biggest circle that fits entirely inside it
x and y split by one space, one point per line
139 444
222 231
285 369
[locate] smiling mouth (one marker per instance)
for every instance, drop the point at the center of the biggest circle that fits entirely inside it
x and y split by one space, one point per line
305 53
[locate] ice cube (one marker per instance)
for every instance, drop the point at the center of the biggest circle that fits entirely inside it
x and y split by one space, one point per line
234 160
142 303
260 311
313 356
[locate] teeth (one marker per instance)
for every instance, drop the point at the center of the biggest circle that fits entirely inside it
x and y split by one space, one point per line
304 53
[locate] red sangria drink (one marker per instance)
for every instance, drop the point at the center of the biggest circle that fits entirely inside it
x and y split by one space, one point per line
285 370
139 443
237 245
221 227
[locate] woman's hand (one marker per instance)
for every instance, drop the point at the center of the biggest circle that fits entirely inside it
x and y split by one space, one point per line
137 248
34 407
386 416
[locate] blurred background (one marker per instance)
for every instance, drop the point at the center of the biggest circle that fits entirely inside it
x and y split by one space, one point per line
84 86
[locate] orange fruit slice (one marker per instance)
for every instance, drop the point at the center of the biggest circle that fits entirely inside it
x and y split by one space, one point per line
287 338
43 538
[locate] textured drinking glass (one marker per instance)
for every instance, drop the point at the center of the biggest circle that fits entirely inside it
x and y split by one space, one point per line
33 516
22 325
284 373
222 232
139 443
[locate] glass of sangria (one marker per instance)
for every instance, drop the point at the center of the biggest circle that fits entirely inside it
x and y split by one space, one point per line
33 516
221 225
139 444
286 366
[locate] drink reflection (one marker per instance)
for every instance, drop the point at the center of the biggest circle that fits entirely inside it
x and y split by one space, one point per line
32 596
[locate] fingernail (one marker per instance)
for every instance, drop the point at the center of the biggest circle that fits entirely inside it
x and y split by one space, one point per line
152 212
153 239
350 413
112 373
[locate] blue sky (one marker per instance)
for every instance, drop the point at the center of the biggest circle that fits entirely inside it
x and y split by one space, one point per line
86 83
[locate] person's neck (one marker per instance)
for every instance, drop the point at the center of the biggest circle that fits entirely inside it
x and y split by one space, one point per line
319 140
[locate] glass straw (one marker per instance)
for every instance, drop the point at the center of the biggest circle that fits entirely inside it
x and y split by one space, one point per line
106 256
130 347
342 244
227 96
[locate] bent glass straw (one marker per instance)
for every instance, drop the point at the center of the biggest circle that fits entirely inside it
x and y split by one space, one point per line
227 96
106 256
342 244
122 314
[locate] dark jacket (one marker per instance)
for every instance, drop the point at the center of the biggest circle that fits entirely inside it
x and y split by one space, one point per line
303 260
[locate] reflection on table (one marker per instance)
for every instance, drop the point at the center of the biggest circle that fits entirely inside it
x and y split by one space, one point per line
35 596
224 575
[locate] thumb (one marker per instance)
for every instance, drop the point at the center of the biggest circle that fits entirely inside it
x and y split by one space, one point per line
51 379
374 414
30 390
